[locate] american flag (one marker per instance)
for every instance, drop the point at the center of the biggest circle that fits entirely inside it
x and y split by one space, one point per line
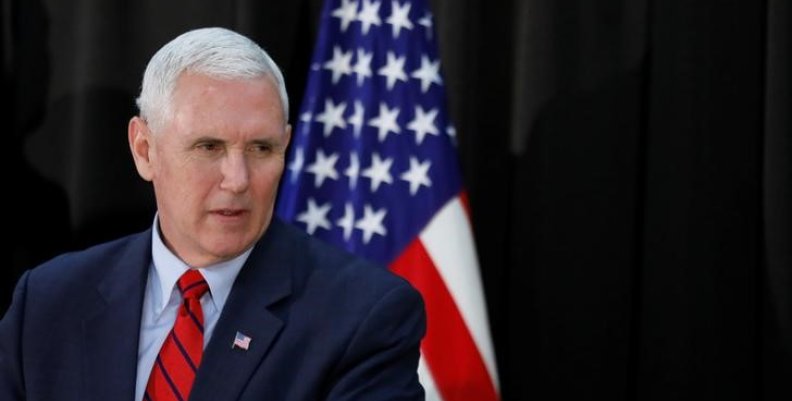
373 168
241 341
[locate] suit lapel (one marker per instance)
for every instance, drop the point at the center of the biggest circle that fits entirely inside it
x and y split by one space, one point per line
264 280
112 324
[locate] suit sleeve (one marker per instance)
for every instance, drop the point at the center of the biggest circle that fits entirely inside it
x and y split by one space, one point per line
381 362
11 382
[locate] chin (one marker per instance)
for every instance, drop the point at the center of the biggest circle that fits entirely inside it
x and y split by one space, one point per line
223 249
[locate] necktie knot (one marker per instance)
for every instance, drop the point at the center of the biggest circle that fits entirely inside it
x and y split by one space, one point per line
192 285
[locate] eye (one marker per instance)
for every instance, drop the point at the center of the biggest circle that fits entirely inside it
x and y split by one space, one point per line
208 146
261 148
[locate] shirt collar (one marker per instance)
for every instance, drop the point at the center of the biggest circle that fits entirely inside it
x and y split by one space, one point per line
168 268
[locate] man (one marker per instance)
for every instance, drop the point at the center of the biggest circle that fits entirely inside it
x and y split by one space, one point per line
218 300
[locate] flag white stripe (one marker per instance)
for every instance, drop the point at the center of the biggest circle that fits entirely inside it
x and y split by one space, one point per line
427 381
448 239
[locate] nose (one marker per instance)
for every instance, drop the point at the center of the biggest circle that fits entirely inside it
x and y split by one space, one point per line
236 176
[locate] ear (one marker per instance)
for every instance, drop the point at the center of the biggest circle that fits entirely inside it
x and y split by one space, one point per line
140 144
288 134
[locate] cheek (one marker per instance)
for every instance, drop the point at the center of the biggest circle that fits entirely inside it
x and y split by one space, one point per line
187 183
267 180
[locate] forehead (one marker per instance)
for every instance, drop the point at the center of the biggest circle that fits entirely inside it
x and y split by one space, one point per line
189 84
203 99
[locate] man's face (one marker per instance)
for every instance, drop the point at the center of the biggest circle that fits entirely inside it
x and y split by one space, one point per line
215 165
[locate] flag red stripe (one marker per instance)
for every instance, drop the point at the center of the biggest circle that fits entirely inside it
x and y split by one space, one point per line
463 197
453 358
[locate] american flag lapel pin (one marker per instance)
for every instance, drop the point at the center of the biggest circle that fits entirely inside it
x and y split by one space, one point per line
241 341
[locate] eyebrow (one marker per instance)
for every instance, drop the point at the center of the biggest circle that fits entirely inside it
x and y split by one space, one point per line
211 139
205 139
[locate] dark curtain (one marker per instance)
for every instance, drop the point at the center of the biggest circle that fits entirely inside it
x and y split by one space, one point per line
628 166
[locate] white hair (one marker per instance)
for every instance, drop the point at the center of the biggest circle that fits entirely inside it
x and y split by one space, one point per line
214 52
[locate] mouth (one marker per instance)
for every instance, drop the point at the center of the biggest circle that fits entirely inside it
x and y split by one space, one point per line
229 212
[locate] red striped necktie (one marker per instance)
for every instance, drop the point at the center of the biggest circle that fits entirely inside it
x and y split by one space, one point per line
174 369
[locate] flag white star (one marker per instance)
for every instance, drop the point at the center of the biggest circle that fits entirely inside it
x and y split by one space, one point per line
379 171
369 15
347 221
332 116
386 121
423 124
428 73
356 119
297 164
353 170
315 216
305 119
393 70
346 12
371 223
426 22
362 67
399 17
417 175
451 132
340 64
323 167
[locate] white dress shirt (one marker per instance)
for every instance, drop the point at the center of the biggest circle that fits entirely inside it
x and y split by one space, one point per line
162 299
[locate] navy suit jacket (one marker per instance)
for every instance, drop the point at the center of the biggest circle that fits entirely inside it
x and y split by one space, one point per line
324 326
